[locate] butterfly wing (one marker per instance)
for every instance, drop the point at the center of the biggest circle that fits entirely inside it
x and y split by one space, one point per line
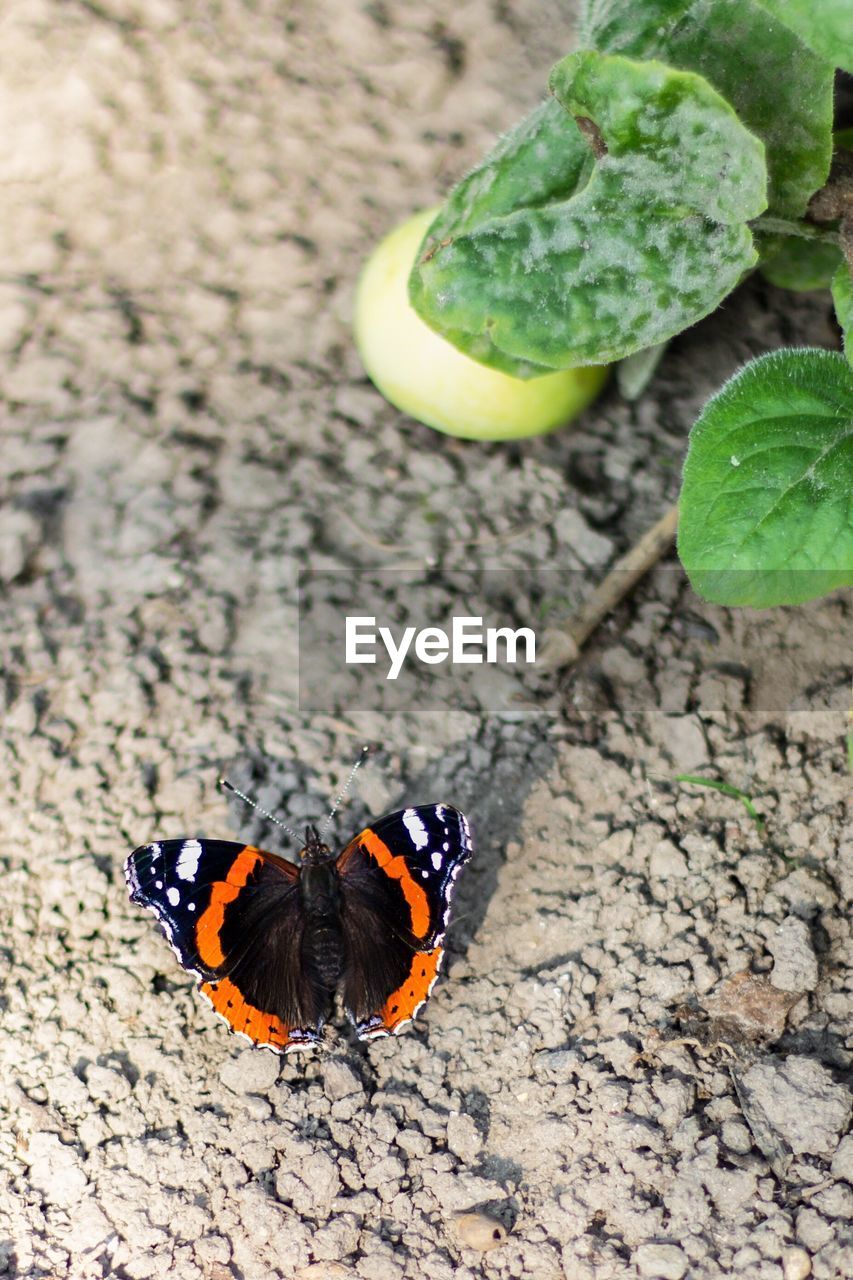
231 913
397 883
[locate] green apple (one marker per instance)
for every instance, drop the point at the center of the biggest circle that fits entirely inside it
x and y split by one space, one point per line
428 378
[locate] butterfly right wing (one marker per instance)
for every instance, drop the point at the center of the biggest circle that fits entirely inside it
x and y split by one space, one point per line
398 878
231 913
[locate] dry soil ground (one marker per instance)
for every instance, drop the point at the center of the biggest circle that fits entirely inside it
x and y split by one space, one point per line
186 193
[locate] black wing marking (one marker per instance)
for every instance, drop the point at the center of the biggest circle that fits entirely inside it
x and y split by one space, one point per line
434 840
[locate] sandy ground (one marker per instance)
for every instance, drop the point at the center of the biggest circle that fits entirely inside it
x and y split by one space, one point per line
187 192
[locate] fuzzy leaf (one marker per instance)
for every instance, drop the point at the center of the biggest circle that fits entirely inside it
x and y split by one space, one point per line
766 509
595 258
842 296
826 26
668 133
781 90
542 161
802 264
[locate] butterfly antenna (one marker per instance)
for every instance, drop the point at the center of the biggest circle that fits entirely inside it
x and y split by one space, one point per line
229 786
365 752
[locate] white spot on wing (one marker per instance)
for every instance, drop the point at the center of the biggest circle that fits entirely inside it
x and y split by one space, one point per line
187 864
416 829
436 860
173 896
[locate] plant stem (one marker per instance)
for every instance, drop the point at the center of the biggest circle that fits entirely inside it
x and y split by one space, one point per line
845 238
564 643
804 230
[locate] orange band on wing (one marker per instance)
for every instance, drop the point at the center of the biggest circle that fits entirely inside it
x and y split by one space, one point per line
396 868
263 1028
402 1003
210 924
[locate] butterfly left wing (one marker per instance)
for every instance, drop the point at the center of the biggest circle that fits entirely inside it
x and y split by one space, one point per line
230 912
397 882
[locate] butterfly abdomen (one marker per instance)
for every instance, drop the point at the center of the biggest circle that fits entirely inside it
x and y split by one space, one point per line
323 953
323 939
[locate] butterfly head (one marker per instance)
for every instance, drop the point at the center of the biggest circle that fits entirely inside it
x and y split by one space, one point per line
314 850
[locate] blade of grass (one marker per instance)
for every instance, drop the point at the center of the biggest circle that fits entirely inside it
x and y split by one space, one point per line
726 789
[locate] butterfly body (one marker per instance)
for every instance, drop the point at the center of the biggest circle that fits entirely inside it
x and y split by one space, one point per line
272 942
323 952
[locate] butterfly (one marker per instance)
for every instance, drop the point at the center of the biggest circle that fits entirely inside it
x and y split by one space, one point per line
272 941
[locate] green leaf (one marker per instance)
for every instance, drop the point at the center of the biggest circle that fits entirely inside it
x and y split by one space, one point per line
781 90
668 134
545 259
766 509
543 160
802 264
842 296
725 789
634 373
826 26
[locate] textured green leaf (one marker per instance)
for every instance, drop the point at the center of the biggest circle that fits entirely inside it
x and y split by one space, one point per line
802 264
766 509
547 257
781 90
668 134
826 26
542 161
842 296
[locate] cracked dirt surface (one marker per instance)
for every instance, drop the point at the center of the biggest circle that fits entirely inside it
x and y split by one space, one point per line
187 193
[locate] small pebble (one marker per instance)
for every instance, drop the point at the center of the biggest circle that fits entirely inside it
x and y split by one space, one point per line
842 1161
796 1264
479 1231
736 1137
795 965
19 536
252 1071
462 1137
339 1080
258 1108
661 1261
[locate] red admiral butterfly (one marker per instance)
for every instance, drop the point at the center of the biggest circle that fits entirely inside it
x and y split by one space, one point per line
272 941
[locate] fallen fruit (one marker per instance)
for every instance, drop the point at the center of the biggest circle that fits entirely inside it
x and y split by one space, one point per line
426 377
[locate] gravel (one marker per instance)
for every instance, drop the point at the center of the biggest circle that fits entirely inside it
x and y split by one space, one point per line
186 201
